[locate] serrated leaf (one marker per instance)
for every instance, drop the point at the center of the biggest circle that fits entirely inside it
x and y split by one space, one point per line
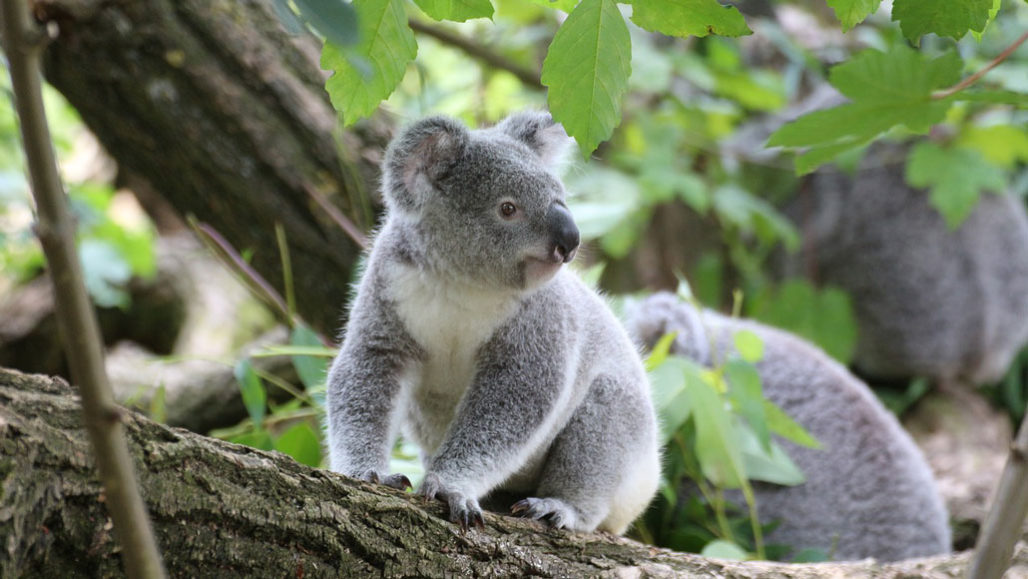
334 19
951 18
587 69
386 46
956 176
853 12
456 10
749 345
252 389
1003 145
301 443
310 369
684 18
900 75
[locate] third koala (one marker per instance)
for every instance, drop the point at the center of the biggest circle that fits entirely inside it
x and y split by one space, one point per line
869 491
469 335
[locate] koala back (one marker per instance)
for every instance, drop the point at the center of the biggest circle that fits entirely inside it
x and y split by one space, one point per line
929 300
869 492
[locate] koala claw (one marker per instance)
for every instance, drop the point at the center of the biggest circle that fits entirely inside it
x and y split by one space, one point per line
559 514
397 481
464 509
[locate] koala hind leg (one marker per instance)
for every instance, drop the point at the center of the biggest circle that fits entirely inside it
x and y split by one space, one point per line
602 468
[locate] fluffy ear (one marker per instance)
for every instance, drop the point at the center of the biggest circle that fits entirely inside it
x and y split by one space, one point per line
416 159
541 133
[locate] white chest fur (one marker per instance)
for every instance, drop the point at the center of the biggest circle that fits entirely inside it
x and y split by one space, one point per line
450 321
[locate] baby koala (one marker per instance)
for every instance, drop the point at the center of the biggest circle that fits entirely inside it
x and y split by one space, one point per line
469 336
868 490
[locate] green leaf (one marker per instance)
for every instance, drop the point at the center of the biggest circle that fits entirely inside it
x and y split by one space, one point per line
951 18
587 69
106 273
670 394
783 425
660 351
685 18
956 176
257 439
717 444
749 345
301 443
158 407
823 316
252 389
747 397
456 10
768 464
721 549
853 12
996 4
310 369
287 17
386 45
334 19
1004 97
1002 145
901 75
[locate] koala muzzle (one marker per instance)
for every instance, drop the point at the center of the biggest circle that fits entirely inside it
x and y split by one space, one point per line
563 231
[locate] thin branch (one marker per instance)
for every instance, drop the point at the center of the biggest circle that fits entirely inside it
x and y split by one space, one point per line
337 216
76 319
1002 526
976 76
475 50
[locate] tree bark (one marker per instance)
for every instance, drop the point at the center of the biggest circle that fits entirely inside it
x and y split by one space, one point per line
224 510
225 115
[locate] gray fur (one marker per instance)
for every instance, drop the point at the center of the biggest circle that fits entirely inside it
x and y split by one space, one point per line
469 336
869 491
931 301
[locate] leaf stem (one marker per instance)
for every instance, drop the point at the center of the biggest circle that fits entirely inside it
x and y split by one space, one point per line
939 95
475 50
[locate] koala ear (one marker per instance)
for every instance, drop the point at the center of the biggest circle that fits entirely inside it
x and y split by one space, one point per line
419 157
541 133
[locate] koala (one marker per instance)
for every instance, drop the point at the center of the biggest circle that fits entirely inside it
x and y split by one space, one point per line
869 491
469 336
929 300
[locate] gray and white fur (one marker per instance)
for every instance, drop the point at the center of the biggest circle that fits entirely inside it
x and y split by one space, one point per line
869 491
469 336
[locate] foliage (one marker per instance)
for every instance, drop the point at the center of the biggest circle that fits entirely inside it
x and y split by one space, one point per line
718 429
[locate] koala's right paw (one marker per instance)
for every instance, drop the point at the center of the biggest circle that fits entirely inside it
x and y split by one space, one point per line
464 508
396 481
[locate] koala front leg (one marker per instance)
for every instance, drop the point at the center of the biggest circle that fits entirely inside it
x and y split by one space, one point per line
364 392
504 415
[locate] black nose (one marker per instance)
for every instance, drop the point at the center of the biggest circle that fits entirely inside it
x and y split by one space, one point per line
563 231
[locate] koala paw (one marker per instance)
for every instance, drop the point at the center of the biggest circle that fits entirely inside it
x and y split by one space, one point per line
559 514
464 508
396 481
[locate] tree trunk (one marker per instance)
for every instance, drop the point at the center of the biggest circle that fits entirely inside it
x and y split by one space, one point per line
225 115
224 510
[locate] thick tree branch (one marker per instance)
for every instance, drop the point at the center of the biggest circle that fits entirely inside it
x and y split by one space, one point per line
224 510
76 319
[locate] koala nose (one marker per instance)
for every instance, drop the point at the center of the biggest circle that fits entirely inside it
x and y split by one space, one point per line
563 231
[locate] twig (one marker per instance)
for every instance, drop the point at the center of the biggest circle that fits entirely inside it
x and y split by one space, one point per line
341 220
76 319
974 77
1002 525
475 50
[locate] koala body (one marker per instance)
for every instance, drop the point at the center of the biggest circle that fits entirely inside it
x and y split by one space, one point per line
467 334
869 492
929 300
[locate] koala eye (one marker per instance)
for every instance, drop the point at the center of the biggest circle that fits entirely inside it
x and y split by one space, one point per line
508 209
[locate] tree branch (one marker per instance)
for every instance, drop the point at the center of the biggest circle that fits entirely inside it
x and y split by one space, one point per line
1003 524
75 316
475 50
976 76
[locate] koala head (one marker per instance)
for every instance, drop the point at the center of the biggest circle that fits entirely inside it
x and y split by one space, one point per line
483 206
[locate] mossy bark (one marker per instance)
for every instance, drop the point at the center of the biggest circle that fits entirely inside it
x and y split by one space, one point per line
225 114
224 510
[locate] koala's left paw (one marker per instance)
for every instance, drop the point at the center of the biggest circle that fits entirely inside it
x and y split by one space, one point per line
558 513
464 508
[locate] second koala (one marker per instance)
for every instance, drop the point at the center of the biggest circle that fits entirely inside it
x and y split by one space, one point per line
468 335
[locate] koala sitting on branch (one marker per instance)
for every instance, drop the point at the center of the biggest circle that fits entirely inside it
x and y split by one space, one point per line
468 335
